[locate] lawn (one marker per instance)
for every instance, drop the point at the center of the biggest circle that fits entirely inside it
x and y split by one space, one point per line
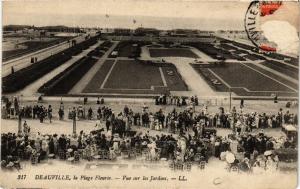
253 57
132 77
210 78
129 74
282 68
129 48
246 81
215 52
99 77
125 50
238 75
172 52
173 79
273 75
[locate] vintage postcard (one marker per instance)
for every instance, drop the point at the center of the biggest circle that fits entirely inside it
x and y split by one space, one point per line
149 94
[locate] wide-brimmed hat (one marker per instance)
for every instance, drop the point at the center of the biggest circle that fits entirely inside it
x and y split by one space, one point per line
268 153
230 157
70 150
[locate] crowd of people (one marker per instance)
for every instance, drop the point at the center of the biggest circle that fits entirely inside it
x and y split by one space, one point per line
248 151
35 112
174 121
191 137
164 99
182 121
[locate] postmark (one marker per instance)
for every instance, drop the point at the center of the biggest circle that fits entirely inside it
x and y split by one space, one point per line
255 11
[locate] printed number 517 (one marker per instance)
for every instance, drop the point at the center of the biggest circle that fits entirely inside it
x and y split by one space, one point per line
21 177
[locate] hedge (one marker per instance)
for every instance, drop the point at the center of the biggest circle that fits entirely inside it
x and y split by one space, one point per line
25 76
66 80
45 87
95 53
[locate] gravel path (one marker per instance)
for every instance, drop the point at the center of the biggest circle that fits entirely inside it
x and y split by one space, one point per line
196 84
78 88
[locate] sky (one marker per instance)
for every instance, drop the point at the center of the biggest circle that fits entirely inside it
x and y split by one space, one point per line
161 14
198 14
162 8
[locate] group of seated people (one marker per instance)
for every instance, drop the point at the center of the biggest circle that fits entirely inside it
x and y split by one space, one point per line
241 151
197 140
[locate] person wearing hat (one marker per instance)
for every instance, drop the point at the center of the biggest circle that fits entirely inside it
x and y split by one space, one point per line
74 142
190 155
256 169
270 164
152 121
98 125
245 165
61 113
112 153
233 143
116 142
44 148
50 113
26 128
62 142
152 146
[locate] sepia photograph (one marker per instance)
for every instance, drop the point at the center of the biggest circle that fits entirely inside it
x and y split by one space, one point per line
173 94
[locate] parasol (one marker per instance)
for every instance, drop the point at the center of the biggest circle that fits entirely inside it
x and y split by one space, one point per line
268 152
230 158
70 150
10 164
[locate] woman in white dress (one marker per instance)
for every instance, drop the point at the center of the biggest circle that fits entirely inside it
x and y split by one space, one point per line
152 147
112 154
182 147
37 144
45 146
256 120
256 168
271 165
151 120
116 143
